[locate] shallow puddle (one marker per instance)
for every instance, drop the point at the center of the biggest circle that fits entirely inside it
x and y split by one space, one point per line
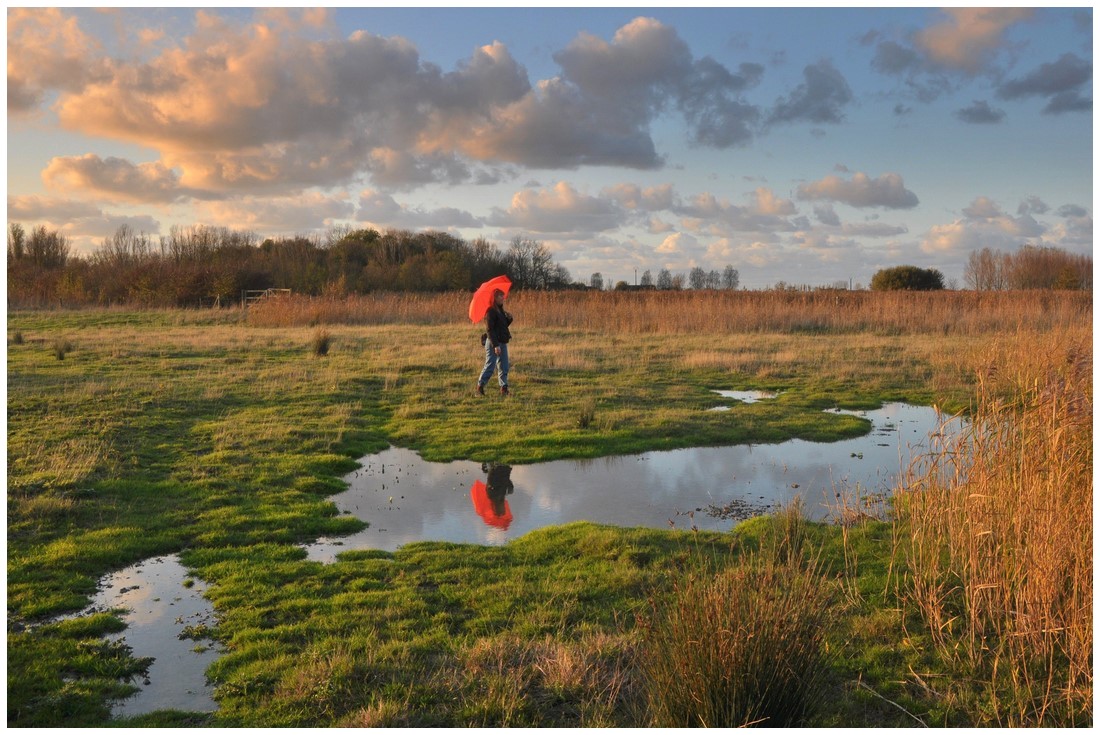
404 498
162 601
744 396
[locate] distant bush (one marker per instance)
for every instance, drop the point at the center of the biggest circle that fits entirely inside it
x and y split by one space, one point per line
322 340
907 278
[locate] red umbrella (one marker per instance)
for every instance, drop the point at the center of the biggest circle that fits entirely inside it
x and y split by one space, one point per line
484 507
483 297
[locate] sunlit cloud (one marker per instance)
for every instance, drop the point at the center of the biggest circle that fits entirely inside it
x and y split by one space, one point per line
81 221
983 225
967 38
303 213
382 209
559 209
115 179
888 190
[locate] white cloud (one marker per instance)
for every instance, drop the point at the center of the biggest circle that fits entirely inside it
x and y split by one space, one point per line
984 224
307 212
80 221
886 191
967 38
115 179
279 103
557 210
382 210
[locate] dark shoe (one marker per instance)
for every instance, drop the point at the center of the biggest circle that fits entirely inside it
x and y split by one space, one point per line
480 389
504 390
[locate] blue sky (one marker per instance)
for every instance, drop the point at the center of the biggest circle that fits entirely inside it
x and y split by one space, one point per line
810 146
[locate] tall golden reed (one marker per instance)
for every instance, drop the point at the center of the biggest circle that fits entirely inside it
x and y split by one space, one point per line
998 537
703 312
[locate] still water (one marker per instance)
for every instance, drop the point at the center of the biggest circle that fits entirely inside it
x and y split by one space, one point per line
161 601
404 498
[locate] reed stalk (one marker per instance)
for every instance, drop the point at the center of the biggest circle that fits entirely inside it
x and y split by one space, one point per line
997 530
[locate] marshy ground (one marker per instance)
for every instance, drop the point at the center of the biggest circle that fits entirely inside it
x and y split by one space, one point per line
223 438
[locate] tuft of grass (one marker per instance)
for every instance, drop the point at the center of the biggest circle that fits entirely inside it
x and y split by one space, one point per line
62 347
587 414
17 338
743 646
321 342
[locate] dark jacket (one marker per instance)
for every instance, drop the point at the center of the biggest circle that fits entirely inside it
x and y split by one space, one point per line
497 321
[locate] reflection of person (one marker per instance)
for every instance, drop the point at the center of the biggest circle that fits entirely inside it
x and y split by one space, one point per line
498 483
496 344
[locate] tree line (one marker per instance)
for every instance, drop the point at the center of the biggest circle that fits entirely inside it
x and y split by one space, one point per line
203 265
1027 268
1030 267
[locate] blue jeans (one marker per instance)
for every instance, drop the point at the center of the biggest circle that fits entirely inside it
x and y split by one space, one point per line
492 360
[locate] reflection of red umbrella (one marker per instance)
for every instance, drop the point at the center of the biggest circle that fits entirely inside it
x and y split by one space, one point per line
483 297
484 507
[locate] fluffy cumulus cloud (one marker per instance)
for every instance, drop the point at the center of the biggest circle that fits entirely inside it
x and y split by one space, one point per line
558 210
115 179
381 209
84 223
961 43
282 103
297 214
887 191
967 38
983 224
47 50
707 214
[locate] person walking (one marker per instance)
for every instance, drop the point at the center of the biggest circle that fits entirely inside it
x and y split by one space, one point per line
496 340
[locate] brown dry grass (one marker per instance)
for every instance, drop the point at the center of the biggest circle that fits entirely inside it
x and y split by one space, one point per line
708 312
998 537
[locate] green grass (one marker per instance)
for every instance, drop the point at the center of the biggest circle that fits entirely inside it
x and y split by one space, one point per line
191 432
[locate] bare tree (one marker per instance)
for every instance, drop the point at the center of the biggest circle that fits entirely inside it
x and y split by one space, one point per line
17 241
985 270
531 264
46 248
124 248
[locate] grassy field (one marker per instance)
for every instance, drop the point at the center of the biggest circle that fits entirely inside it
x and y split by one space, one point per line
134 434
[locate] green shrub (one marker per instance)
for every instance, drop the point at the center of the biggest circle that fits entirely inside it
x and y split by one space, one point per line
907 278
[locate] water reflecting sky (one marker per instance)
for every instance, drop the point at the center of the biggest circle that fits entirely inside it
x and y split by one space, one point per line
406 499
159 607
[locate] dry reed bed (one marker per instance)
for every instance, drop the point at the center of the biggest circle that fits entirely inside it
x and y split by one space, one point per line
701 312
998 537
